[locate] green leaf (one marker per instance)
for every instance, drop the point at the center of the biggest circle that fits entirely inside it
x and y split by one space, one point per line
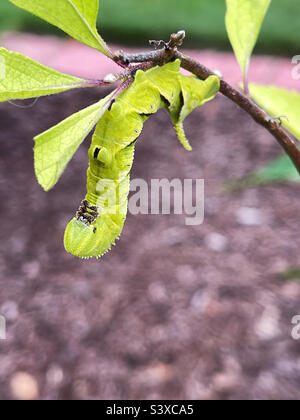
279 102
244 19
75 17
23 78
55 147
292 273
278 170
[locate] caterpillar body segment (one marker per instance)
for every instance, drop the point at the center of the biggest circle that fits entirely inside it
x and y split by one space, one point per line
100 219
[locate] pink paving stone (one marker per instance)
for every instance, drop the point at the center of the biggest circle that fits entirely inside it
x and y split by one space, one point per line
71 57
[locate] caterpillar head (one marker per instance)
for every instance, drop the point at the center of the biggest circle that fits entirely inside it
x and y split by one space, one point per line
80 238
90 236
80 232
93 240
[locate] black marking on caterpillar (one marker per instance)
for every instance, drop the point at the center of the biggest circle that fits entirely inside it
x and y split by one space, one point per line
181 99
130 144
96 152
111 104
165 101
87 213
134 72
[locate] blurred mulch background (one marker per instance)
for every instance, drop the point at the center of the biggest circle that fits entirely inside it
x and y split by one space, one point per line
173 311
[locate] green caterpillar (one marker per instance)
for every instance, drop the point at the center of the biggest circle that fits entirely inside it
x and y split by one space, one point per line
101 216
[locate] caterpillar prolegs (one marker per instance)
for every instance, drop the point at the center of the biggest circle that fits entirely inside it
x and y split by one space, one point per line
100 219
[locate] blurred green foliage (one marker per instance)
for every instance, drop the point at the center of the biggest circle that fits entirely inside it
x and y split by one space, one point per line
137 21
292 273
277 171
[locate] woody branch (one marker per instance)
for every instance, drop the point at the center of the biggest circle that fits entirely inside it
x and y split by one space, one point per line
170 51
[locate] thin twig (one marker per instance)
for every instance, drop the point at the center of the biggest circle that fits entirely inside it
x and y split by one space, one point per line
160 56
170 51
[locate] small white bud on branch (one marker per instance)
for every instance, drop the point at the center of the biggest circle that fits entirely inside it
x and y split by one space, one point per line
218 73
111 78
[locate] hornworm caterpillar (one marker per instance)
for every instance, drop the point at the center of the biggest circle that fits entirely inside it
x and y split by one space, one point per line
101 216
